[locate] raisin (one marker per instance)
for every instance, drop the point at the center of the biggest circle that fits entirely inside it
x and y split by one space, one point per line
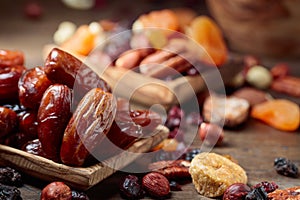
130 188
174 118
9 193
285 167
257 194
76 195
9 176
268 186
174 186
190 154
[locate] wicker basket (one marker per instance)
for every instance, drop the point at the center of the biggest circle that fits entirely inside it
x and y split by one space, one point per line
261 27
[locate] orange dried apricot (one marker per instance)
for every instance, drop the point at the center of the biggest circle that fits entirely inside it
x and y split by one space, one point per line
207 33
280 113
165 19
82 42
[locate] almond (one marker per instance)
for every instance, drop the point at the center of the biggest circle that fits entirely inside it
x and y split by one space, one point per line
156 184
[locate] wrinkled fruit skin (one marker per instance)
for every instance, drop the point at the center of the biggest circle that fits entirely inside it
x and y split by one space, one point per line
88 126
9 176
76 195
156 185
130 188
9 77
237 191
28 123
62 67
34 147
32 85
53 116
56 191
286 167
8 121
10 58
9 193
257 194
268 186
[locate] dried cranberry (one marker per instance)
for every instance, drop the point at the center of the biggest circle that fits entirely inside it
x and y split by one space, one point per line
268 186
130 188
285 167
237 191
174 118
174 186
76 195
257 194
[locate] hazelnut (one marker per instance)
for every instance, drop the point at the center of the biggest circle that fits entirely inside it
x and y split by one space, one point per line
259 77
211 134
56 190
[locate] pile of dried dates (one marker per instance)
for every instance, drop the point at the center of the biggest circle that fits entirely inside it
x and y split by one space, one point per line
63 110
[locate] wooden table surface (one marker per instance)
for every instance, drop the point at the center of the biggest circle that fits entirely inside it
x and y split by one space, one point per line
254 145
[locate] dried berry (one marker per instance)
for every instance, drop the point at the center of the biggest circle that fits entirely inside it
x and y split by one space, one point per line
285 167
130 188
9 193
56 190
174 186
174 118
76 195
9 176
257 194
8 121
177 133
236 191
190 154
268 186
211 134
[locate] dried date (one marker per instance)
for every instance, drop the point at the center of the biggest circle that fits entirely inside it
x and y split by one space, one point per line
88 126
53 116
62 67
9 176
9 77
56 190
16 140
10 58
28 123
32 85
8 121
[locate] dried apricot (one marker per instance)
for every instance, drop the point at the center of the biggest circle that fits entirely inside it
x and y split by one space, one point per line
164 19
207 33
82 42
280 113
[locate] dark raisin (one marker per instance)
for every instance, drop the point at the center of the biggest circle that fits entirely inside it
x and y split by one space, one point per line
190 154
174 118
130 188
268 186
257 194
285 167
9 176
174 186
76 195
9 193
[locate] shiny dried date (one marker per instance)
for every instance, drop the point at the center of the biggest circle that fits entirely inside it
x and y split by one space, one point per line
88 126
62 67
28 123
8 121
32 85
9 77
10 58
53 116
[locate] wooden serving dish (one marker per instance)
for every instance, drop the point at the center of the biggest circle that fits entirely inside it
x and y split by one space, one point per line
78 177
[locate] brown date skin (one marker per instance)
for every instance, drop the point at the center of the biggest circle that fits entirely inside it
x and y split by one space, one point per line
17 140
10 58
53 116
128 126
88 126
8 121
28 123
62 67
33 147
32 85
56 191
9 77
